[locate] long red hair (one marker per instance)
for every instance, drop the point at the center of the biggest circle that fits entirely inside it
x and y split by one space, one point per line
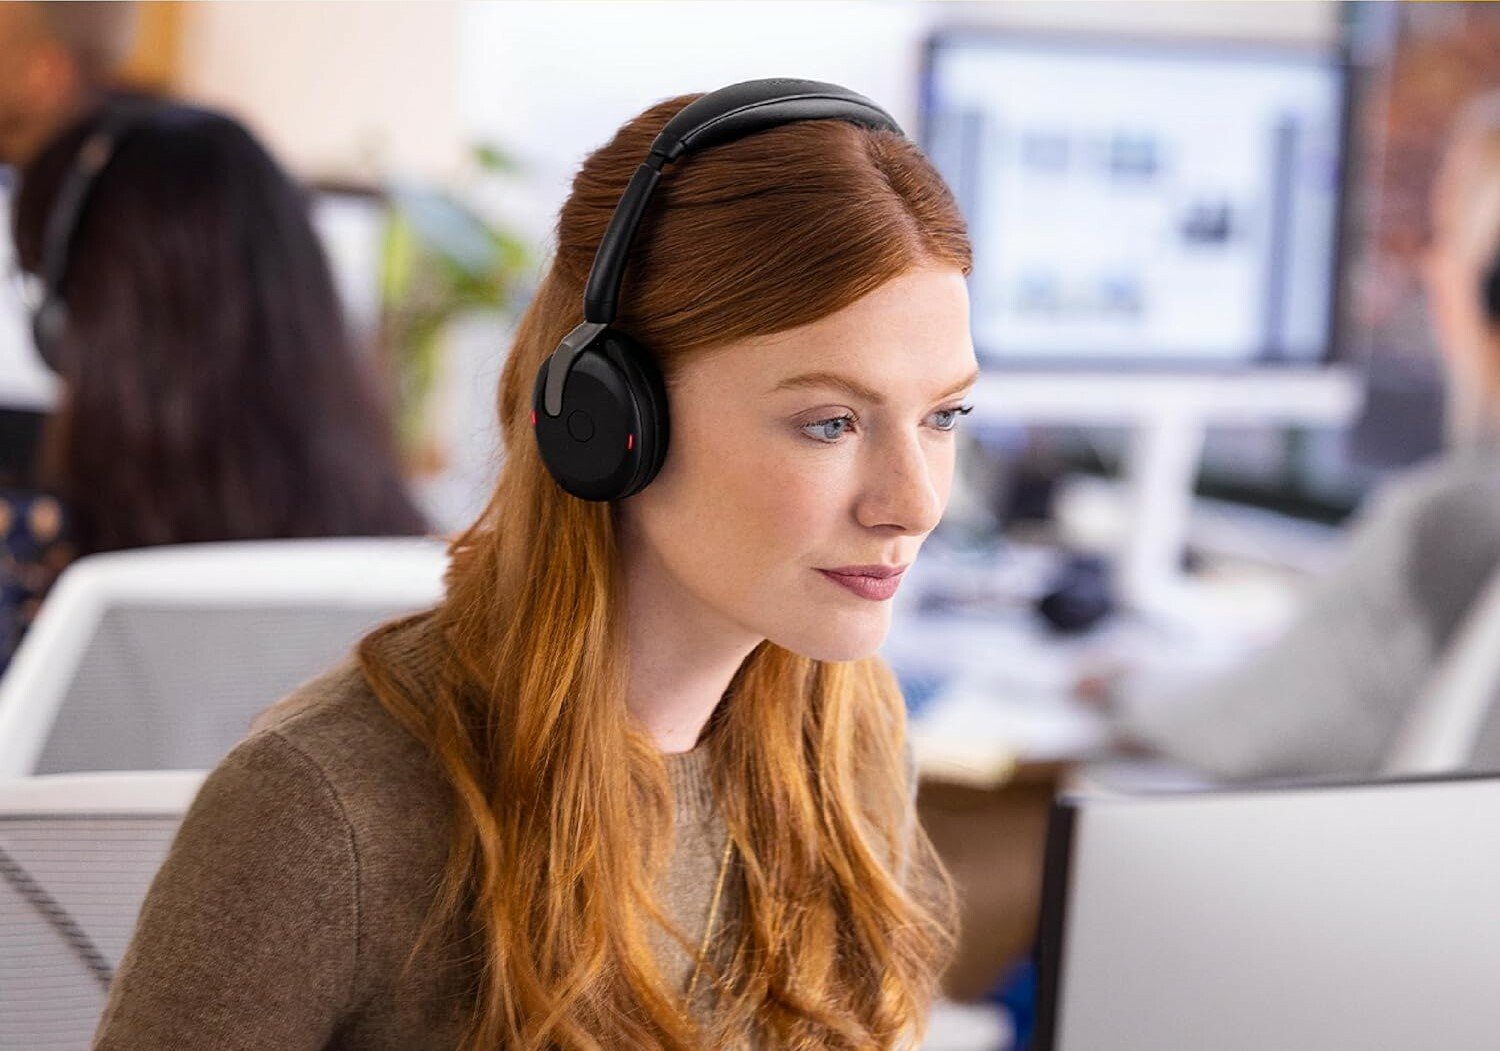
563 810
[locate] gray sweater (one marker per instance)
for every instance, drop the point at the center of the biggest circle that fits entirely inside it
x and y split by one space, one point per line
294 891
1327 697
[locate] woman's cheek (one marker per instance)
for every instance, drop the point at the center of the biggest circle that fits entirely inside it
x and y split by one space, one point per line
802 494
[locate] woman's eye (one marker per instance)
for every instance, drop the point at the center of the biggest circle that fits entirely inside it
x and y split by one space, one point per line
952 415
829 431
821 431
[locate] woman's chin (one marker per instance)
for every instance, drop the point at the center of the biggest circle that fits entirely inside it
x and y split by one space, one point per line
840 646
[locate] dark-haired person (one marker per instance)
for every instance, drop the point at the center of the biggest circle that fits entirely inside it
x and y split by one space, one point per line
1328 697
209 390
640 780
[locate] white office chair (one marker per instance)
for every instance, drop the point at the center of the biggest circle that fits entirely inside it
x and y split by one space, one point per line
1440 729
158 659
77 854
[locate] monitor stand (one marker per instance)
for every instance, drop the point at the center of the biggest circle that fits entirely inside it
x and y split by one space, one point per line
1168 414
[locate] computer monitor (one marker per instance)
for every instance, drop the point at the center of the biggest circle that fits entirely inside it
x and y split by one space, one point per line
1143 205
1307 918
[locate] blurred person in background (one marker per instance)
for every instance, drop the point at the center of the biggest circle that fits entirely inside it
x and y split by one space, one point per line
56 61
641 779
1328 696
209 389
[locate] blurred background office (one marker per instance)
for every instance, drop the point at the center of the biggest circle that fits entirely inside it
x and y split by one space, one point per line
1229 285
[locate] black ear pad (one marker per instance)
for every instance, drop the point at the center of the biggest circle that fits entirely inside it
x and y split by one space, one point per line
47 324
650 391
611 437
1491 292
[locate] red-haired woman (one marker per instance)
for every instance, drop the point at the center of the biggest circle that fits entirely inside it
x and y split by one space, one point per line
640 780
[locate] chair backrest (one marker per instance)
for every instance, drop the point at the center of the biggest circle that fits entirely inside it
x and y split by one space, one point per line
77 855
158 659
1439 731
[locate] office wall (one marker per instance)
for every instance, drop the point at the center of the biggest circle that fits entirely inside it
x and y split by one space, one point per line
341 90
350 90
551 81
365 90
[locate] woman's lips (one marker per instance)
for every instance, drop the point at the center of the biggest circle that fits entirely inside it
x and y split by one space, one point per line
874 588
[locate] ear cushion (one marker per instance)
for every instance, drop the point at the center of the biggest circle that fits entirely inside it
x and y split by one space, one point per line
643 375
47 325
1491 292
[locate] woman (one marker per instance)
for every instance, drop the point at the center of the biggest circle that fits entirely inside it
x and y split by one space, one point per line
209 390
639 780
1328 697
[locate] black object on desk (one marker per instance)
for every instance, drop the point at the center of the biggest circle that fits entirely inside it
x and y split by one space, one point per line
1079 596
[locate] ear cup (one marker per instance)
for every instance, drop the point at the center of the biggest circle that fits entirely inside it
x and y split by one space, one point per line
610 438
47 324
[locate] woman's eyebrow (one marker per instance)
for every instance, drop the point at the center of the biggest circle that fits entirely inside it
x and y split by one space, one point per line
854 387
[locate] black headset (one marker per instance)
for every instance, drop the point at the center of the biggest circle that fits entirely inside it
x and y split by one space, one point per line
599 406
49 312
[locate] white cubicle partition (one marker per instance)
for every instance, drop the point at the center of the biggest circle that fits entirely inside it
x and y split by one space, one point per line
159 658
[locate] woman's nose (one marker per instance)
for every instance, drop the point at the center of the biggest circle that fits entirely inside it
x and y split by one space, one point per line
904 489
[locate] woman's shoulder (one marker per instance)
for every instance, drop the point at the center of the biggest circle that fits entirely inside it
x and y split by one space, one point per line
385 780
301 877
1440 483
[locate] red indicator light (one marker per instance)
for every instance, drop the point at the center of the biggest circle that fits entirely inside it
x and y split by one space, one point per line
629 442
533 417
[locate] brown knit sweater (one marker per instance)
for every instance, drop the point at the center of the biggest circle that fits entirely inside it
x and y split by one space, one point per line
297 885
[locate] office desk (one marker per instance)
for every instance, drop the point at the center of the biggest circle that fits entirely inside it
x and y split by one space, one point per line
995 688
998 728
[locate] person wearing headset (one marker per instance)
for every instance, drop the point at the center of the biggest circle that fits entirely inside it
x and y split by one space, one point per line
208 389
639 780
1328 697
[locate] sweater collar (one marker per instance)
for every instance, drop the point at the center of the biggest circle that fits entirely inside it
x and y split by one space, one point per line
418 651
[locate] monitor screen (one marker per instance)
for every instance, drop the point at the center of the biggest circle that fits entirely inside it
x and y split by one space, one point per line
1319 917
1143 205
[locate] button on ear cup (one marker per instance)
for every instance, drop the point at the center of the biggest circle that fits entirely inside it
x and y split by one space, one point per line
580 426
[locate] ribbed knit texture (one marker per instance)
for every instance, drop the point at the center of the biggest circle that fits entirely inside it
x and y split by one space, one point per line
692 786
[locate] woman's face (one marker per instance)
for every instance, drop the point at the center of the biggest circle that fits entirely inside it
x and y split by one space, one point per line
776 469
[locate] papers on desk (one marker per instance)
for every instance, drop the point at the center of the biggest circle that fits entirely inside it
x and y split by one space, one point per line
980 725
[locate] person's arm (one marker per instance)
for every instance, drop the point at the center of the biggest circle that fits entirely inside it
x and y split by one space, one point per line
1322 699
248 937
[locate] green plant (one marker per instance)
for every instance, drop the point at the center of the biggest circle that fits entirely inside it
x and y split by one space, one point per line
439 258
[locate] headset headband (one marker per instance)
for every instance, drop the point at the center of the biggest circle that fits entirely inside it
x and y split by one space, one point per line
720 116
93 157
